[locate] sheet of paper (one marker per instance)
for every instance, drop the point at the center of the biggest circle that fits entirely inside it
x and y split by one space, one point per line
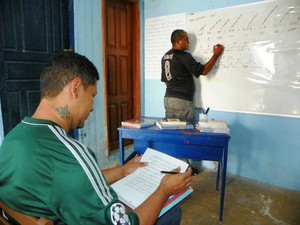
144 181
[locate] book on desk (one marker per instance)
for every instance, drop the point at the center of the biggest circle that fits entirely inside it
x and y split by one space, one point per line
135 188
165 125
172 121
138 123
213 126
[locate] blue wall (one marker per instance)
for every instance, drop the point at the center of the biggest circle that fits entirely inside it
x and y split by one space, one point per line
264 148
89 42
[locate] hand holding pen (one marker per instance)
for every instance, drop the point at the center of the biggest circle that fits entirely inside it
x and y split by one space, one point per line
175 171
175 181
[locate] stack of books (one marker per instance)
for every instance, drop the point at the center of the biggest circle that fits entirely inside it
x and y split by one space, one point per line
169 124
138 123
213 126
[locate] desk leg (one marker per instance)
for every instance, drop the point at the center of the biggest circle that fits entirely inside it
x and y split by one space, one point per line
218 176
224 168
131 156
121 148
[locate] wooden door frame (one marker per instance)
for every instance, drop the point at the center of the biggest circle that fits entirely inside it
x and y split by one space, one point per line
135 61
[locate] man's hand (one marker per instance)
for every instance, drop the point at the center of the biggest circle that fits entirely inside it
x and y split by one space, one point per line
171 184
116 173
174 183
132 165
218 49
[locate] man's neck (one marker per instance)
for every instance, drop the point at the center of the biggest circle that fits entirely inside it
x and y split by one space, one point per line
176 47
47 110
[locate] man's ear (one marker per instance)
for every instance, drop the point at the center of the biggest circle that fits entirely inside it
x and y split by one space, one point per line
76 84
178 43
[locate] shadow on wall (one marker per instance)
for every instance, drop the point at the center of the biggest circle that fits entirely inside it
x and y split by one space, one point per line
243 136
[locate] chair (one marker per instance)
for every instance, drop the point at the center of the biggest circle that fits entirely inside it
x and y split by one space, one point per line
20 218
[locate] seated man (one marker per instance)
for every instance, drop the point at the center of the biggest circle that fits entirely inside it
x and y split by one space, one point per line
45 173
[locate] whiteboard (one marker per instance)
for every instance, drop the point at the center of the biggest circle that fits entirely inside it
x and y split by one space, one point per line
259 71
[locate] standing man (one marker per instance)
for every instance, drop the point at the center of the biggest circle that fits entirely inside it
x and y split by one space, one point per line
178 68
45 173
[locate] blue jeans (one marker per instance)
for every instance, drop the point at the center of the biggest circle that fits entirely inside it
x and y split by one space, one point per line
172 217
178 108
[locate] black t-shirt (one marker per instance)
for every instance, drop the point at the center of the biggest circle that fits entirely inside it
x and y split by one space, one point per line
178 68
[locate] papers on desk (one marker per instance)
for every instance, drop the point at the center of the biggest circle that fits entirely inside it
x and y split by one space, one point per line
213 126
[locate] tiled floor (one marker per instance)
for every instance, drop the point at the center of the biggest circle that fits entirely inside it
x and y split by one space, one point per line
246 203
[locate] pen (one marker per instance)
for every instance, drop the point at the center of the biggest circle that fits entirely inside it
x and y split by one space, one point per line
169 172
207 110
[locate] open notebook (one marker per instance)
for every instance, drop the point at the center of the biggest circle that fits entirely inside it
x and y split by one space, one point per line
135 188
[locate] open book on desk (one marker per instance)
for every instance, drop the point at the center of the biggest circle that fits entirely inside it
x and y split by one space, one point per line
173 122
174 126
135 188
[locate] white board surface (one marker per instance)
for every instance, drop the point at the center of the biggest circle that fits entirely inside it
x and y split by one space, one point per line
260 68
259 71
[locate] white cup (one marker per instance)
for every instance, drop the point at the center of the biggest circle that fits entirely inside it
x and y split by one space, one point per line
203 118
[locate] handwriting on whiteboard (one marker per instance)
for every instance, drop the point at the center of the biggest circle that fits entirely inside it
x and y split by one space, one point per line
260 67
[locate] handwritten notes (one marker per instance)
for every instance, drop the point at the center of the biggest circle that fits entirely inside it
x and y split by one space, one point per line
158 41
259 69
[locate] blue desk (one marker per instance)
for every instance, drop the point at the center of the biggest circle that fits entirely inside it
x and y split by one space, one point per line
188 144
